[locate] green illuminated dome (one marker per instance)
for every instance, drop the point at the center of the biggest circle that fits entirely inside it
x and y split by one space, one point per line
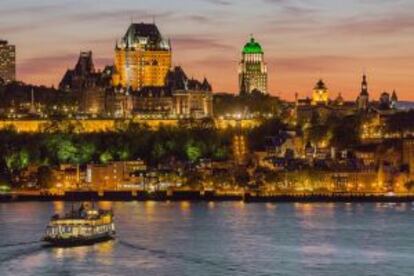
252 47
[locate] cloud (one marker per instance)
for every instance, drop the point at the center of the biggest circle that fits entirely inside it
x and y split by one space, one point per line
32 9
125 14
335 63
394 23
193 42
46 64
219 2
55 65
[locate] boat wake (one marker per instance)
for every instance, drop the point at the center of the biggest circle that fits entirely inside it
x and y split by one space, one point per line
5 245
20 252
196 260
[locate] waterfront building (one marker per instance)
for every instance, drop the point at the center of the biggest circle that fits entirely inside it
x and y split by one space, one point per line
408 156
67 177
142 58
7 61
252 69
114 175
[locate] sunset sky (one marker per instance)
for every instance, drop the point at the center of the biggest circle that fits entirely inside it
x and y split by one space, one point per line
303 40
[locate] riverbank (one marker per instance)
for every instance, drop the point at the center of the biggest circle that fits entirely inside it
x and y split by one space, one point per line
202 196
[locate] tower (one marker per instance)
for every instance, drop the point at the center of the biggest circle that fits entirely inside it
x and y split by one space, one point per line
320 94
142 58
363 98
7 61
252 69
32 109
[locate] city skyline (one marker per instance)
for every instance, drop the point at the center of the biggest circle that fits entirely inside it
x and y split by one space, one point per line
303 40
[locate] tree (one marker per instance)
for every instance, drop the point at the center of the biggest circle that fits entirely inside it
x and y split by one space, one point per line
193 151
85 152
267 128
106 157
17 160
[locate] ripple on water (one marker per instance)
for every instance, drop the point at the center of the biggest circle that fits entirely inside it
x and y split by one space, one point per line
185 238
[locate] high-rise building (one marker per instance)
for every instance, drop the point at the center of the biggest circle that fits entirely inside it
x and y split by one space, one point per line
252 69
7 61
142 58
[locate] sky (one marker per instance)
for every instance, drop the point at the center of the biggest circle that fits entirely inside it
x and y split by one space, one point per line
303 40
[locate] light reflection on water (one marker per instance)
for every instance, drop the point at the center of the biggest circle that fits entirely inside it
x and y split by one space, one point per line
233 238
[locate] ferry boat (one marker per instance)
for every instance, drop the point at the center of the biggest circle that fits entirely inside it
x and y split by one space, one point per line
85 226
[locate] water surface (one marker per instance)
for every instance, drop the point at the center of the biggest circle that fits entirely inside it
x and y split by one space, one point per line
232 238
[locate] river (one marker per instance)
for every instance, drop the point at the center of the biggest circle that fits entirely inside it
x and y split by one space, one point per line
226 238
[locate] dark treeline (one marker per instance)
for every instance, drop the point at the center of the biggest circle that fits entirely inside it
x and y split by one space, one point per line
131 141
16 93
254 103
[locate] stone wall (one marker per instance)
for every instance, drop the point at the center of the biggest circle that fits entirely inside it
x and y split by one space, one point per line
97 125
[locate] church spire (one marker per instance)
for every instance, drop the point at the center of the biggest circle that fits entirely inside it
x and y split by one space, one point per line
364 85
363 98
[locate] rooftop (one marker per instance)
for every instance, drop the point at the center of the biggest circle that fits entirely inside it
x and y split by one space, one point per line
320 85
252 47
145 34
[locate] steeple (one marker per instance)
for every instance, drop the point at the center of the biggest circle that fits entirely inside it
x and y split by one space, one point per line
394 100
363 98
394 96
364 85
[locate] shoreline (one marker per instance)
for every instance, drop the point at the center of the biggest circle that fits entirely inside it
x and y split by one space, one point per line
196 196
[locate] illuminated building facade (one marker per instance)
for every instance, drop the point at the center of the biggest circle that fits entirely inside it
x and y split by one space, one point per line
181 97
191 98
320 106
252 69
7 61
320 94
240 149
118 103
142 58
114 175
408 156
